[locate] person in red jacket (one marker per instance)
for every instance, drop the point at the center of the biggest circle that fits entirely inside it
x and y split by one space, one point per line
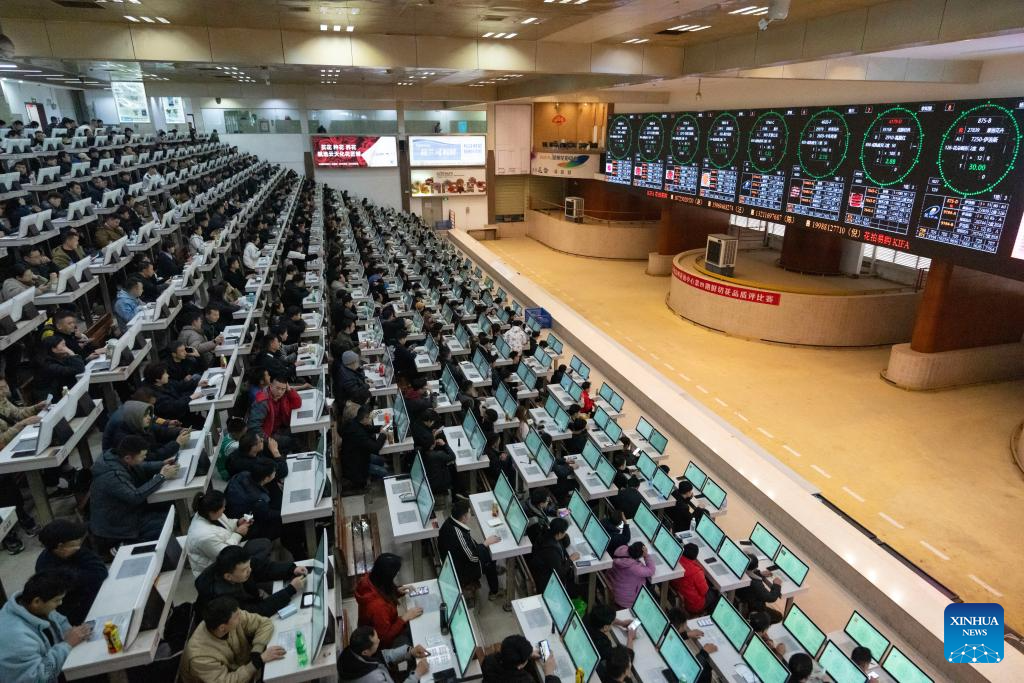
377 597
271 411
586 403
692 587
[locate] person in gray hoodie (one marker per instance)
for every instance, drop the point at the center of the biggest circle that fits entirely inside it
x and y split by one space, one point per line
121 482
364 662
37 638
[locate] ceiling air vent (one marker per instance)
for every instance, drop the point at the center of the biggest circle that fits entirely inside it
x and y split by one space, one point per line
492 17
78 4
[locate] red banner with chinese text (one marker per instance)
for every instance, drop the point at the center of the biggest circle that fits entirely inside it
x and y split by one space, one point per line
726 289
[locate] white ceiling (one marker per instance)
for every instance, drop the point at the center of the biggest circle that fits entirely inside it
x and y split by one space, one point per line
977 48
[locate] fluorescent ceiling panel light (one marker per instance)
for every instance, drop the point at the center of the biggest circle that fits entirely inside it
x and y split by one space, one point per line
131 18
511 35
323 27
147 20
529 20
350 28
488 34
499 35
162 20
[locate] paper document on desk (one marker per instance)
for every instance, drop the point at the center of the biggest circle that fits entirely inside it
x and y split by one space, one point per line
286 639
121 621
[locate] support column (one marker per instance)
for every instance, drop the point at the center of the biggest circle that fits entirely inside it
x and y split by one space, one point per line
811 251
682 227
852 257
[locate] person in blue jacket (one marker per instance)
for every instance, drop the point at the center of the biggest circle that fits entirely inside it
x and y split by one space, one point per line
129 299
37 638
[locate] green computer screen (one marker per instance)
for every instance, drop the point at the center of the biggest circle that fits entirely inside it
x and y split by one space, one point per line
416 474
646 521
646 609
658 441
425 504
709 531
765 541
578 510
591 454
557 602
596 536
663 483
533 441
679 659
733 557
695 476
793 567
713 492
544 459
763 662
503 492
605 471
839 667
900 667
735 627
667 546
448 583
516 520
462 637
863 633
646 466
804 630
580 646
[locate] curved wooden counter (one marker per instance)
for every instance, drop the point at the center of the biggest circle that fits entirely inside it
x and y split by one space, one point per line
631 240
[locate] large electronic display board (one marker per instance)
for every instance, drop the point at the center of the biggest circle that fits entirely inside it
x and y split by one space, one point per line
355 151
940 179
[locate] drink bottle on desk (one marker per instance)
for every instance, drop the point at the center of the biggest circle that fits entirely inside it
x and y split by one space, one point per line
300 649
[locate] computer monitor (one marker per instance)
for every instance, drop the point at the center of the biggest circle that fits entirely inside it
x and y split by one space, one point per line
658 441
578 510
481 364
544 459
764 663
417 474
401 418
425 504
647 610
714 493
579 367
728 620
591 453
733 557
663 483
580 646
555 344
605 471
681 662
319 567
793 567
709 532
503 492
899 666
803 630
667 546
765 541
516 519
448 385
541 356
839 666
463 637
448 583
533 441
507 400
613 430
646 465
862 632
695 475
596 535
646 521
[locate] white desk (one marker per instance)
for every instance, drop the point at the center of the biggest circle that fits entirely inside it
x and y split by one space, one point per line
405 520
453 344
425 629
24 327
319 419
789 589
591 486
601 439
535 623
465 459
539 369
67 297
378 384
507 547
216 396
504 422
310 360
543 421
663 574
652 497
846 644
180 492
298 499
779 634
287 669
714 568
579 544
561 396
444 405
601 403
470 372
528 471
91 657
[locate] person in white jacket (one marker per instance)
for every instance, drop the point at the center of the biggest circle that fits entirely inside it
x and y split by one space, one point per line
251 253
211 531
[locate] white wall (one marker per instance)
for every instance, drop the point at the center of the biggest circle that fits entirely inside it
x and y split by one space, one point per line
470 210
57 101
278 149
380 185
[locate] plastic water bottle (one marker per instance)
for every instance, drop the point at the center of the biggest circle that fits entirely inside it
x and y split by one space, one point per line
444 618
300 649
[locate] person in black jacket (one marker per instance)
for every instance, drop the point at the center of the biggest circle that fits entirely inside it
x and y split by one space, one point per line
232 575
254 447
166 264
549 557
152 285
614 668
234 275
59 368
599 622
135 418
360 455
183 366
628 499
405 360
62 541
514 663
438 461
471 559
172 398
681 512
576 442
349 381
248 493
763 588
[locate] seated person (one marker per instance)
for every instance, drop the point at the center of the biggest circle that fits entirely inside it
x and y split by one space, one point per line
404 358
509 664
59 368
37 638
615 667
182 363
110 230
122 480
152 285
629 498
760 621
229 439
471 559
632 566
252 447
22 278
69 250
801 666
231 575
550 557
361 442
364 662
62 541
349 383
128 302
192 336
247 494
692 586
861 656
211 322
271 411
763 589
172 398
65 325
167 265
231 645
135 418
438 461
681 512
599 622
211 531
378 596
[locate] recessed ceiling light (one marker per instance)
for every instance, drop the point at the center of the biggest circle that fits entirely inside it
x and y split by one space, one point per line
350 28
751 10
8 66
488 34
323 27
147 20
688 27
529 20
499 35
337 27
131 18
511 35
162 20
581 2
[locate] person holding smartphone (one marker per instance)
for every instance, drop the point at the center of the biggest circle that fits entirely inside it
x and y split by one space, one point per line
511 663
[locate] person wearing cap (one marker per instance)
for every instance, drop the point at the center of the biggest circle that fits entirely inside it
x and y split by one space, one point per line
351 384
109 231
69 251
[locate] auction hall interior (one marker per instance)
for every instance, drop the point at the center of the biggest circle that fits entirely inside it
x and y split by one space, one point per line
567 340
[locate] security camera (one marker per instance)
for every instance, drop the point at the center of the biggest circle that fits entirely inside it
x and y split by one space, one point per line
763 24
217 100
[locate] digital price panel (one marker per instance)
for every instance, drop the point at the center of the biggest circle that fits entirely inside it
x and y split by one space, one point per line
649 160
941 179
618 165
681 172
719 174
763 182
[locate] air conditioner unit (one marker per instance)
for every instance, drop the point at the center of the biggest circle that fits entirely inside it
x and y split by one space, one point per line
720 254
574 209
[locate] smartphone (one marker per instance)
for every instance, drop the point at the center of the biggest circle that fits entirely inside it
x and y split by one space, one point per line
634 625
711 560
422 590
307 599
49 399
545 650
773 567
143 549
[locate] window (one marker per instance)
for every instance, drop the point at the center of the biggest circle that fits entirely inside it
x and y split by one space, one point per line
353 121
247 121
445 122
